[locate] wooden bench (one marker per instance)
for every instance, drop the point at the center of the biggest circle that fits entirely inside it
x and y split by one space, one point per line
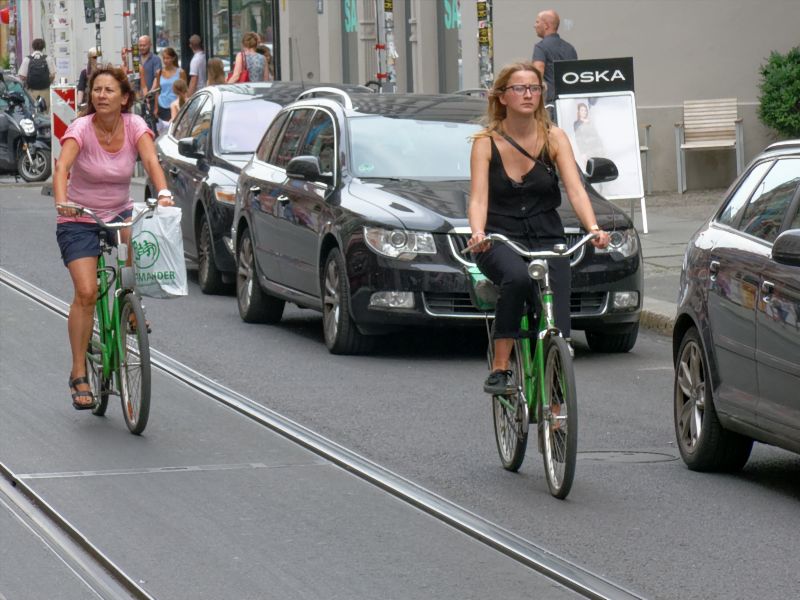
708 125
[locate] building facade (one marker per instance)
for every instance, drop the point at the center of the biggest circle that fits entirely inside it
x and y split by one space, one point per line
682 49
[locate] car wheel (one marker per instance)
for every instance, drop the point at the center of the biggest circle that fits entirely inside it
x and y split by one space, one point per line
703 443
341 334
208 276
600 341
255 306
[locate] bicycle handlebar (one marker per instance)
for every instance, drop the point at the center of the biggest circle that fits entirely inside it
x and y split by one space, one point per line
151 204
528 253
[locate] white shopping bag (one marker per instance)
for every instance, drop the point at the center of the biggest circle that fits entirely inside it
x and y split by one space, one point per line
157 245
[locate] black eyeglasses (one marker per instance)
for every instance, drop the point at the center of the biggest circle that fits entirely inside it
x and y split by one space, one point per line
520 90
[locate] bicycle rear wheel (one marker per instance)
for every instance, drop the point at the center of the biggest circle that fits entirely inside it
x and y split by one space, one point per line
558 425
510 414
134 370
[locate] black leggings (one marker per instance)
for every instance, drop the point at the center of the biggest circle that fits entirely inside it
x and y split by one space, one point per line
509 271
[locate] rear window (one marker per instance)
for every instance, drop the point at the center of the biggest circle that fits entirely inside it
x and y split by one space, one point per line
243 125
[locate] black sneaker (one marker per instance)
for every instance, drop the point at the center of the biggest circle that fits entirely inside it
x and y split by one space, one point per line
498 383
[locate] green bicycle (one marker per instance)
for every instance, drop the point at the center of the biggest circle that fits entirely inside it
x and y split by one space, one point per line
543 380
118 356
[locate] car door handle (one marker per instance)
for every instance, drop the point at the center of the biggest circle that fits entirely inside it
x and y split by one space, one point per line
713 269
255 190
767 287
283 199
174 171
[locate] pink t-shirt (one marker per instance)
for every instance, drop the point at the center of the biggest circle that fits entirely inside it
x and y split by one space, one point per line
101 180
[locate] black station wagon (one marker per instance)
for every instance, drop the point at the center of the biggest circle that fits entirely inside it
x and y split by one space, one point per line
736 341
355 205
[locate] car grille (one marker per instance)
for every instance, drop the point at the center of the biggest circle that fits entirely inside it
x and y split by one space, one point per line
459 305
458 240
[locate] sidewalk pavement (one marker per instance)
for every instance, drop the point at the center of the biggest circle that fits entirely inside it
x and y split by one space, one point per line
672 218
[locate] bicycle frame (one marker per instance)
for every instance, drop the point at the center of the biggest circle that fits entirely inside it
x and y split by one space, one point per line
533 384
109 334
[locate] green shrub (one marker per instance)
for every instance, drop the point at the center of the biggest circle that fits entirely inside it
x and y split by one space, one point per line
780 93
5 62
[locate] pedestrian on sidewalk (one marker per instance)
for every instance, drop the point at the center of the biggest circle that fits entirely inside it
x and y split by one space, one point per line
197 67
37 72
550 49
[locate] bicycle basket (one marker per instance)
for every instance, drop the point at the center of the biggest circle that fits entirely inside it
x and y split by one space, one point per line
482 291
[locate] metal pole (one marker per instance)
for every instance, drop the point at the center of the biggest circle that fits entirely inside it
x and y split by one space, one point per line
485 44
391 51
97 29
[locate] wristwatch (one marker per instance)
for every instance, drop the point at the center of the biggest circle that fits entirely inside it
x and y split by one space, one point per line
594 227
164 192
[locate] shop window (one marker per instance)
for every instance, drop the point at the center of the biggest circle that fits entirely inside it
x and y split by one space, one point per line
168 26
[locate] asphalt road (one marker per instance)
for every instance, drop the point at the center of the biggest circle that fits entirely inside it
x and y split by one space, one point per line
636 515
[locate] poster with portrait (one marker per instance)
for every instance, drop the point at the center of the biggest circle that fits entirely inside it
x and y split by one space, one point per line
604 125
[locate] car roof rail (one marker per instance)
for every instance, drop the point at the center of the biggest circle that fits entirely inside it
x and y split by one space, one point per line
784 144
330 91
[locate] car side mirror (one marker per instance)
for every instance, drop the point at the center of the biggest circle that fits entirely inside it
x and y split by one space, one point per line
599 170
307 168
786 249
188 147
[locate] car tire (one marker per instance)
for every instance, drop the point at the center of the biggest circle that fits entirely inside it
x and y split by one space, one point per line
341 334
255 305
616 342
703 443
208 276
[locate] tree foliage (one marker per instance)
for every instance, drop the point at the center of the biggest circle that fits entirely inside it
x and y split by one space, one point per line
780 93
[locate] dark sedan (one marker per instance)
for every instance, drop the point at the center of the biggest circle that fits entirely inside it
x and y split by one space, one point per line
736 341
212 137
356 206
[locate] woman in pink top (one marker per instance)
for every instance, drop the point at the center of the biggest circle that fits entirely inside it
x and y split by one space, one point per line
95 168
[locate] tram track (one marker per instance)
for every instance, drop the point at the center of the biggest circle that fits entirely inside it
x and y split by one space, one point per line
581 581
87 563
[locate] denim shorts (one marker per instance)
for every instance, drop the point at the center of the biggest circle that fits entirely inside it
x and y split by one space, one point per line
79 240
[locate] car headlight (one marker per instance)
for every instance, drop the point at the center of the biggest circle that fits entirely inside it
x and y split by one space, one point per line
225 194
399 243
28 128
624 242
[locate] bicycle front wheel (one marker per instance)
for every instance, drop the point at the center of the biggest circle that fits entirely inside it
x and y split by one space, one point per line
558 425
134 368
510 413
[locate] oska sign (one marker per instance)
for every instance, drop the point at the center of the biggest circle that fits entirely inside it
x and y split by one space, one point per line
593 76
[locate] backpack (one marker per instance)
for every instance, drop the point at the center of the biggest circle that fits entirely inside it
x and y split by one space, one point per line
38 73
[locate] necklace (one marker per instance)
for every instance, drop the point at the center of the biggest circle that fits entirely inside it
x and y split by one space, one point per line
108 135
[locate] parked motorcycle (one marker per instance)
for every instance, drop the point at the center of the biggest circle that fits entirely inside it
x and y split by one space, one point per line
24 132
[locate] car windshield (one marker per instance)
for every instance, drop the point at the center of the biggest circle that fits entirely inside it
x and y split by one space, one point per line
383 147
243 125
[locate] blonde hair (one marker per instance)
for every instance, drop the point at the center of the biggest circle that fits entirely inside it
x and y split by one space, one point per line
496 110
215 71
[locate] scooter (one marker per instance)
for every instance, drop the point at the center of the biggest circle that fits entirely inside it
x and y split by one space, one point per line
24 134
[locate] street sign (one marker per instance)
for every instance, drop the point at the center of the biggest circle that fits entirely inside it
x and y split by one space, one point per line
89 10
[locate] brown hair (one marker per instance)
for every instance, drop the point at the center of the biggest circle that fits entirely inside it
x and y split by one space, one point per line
496 110
215 71
169 51
250 40
180 88
124 87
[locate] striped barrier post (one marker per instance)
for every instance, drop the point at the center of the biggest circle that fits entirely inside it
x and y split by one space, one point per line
62 113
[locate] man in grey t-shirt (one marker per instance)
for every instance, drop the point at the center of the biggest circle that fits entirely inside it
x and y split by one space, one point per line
550 49
197 67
